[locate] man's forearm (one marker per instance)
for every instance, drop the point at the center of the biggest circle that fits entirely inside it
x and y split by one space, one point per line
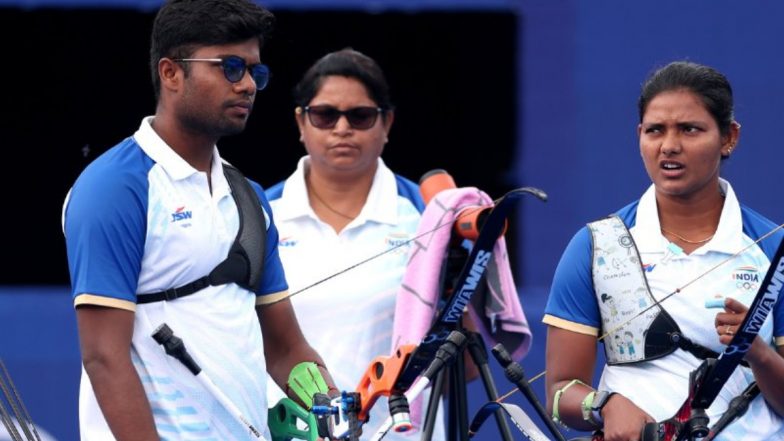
284 344
123 401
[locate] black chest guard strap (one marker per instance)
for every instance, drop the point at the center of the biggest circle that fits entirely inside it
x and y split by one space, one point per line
664 336
245 262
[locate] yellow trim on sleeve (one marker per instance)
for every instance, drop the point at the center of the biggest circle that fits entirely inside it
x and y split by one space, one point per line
90 299
267 299
570 326
780 341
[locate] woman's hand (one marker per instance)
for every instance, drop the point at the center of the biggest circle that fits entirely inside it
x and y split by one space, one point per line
767 363
727 324
623 420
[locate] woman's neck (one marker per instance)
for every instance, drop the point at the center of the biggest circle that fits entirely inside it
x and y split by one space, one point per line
689 223
337 200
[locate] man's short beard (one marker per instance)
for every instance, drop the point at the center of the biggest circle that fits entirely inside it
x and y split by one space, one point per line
213 127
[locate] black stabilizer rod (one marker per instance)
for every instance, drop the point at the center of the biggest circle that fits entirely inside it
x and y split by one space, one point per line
454 342
514 372
737 407
174 347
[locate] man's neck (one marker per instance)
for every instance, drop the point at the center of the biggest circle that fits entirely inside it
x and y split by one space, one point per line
195 148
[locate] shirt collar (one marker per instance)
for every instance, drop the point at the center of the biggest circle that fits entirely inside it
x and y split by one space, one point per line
380 206
728 237
172 163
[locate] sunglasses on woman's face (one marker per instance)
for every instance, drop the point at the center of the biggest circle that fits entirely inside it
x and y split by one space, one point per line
234 68
326 117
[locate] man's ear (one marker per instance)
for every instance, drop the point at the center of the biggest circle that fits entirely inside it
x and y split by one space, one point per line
170 74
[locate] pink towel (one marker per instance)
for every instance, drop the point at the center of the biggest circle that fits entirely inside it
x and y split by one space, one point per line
497 314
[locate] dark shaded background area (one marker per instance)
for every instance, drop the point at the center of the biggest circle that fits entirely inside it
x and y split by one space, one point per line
77 82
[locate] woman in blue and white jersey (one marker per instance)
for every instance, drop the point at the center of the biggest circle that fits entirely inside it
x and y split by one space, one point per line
688 236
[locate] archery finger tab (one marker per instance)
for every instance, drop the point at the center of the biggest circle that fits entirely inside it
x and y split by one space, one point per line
306 380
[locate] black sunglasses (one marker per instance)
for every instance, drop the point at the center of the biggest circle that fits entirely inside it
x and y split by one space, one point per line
234 68
326 117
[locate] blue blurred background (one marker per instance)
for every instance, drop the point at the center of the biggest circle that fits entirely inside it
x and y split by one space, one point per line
500 93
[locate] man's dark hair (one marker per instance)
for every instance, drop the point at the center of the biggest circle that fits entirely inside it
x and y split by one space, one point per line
345 63
182 26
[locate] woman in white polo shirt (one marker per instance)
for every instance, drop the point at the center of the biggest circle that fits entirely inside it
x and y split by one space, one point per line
341 206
